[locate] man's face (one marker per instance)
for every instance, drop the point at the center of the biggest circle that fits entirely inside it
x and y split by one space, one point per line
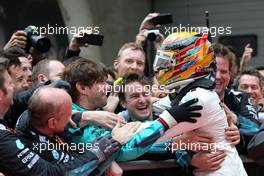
55 69
27 69
6 97
250 84
222 76
64 115
19 78
137 101
97 94
130 61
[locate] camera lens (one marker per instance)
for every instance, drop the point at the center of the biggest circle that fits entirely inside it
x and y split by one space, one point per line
151 36
41 43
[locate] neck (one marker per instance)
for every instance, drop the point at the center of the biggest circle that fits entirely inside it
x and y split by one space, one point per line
84 103
2 113
45 132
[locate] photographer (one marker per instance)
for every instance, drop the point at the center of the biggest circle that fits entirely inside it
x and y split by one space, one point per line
146 32
32 43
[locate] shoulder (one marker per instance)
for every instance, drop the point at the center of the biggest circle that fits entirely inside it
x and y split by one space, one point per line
203 95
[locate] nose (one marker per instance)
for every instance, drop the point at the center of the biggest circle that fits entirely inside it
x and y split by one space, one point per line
249 90
218 75
133 65
142 99
26 85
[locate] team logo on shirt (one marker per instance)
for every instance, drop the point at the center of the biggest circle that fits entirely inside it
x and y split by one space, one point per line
19 144
55 154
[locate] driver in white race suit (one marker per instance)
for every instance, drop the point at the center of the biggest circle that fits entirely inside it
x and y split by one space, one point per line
186 65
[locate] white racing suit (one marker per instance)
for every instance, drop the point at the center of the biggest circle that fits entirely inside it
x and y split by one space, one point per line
212 121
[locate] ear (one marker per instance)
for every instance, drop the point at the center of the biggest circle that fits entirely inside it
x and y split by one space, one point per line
42 78
82 89
52 123
116 65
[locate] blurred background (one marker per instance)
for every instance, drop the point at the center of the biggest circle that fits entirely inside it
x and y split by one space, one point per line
119 20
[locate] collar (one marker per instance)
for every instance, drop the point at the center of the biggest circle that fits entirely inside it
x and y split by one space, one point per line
78 108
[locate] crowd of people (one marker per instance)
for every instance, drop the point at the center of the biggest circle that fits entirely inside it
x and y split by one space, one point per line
74 116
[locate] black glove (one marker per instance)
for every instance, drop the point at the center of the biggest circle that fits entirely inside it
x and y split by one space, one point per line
61 84
184 112
104 147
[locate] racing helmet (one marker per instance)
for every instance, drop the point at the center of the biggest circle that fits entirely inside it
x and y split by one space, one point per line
182 58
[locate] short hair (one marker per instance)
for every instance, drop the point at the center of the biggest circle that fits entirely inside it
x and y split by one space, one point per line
13 54
132 46
3 69
222 51
71 59
39 110
130 78
84 71
250 71
42 67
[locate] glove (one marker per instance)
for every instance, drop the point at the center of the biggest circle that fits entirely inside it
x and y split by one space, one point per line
61 84
104 147
184 112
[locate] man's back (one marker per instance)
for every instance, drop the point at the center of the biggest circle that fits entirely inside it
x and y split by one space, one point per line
213 121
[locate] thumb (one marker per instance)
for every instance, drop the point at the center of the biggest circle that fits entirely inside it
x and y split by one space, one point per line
117 124
247 45
229 120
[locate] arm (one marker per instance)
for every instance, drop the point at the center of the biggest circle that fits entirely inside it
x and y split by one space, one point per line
142 141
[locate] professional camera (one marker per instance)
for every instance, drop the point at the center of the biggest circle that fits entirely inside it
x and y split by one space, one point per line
151 34
40 43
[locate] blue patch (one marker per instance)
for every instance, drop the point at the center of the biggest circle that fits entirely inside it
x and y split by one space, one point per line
19 144
188 65
55 154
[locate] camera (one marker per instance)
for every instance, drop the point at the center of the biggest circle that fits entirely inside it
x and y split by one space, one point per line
91 39
40 43
151 34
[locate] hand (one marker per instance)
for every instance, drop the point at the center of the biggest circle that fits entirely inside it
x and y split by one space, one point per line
71 122
101 118
104 147
158 41
125 133
1 174
112 102
208 161
114 170
18 39
147 22
246 57
74 45
232 134
141 38
197 141
231 117
185 112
